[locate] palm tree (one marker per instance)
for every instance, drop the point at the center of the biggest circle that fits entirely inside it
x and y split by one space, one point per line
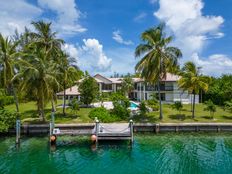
158 57
8 56
193 81
69 73
127 85
38 75
45 38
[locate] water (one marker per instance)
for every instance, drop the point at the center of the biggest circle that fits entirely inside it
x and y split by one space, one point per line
133 105
164 153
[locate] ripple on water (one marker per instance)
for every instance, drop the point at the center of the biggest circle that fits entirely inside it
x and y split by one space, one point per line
164 153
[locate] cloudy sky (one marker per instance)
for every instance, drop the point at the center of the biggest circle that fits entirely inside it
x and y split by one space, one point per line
102 34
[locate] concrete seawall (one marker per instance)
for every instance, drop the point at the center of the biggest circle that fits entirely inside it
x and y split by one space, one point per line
86 128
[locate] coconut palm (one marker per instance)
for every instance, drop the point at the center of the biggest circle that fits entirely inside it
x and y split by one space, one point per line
193 81
8 56
37 75
69 73
44 38
158 57
127 85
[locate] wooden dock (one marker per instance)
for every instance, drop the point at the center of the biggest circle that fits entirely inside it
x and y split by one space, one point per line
113 131
102 131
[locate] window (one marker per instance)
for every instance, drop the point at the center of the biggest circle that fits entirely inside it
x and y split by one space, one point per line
106 86
162 96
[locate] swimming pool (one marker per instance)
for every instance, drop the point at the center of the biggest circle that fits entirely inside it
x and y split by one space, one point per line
133 105
161 153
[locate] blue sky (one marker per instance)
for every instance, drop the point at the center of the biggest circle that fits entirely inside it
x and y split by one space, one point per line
102 34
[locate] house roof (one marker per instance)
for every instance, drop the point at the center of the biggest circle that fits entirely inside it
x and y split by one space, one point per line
70 91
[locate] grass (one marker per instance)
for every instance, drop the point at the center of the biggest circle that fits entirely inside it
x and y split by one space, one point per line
29 114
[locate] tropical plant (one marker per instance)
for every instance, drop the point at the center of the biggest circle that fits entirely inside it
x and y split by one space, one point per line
192 81
102 114
158 57
211 107
7 120
88 89
39 77
177 106
74 106
121 104
228 106
69 73
143 108
127 85
220 90
8 57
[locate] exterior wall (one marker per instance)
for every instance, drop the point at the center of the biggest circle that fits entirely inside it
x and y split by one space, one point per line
170 90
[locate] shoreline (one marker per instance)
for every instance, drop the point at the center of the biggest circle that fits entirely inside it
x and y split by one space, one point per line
86 128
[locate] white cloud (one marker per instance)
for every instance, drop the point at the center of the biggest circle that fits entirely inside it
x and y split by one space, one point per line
16 14
191 28
140 17
71 50
118 38
67 15
90 56
215 64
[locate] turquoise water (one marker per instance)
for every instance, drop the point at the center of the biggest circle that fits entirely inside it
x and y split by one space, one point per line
133 105
165 153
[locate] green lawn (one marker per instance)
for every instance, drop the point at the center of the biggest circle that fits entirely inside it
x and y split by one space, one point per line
174 116
29 114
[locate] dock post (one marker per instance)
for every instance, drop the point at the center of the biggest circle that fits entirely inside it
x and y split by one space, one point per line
51 129
18 133
132 131
53 119
97 129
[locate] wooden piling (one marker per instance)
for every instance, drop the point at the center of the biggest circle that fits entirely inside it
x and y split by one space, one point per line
18 131
132 130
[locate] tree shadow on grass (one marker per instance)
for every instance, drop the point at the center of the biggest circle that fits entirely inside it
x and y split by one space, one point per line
227 117
207 117
181 117
145 119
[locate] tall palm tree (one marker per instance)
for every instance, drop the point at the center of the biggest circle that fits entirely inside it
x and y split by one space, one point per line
44 37
69 73
127 85
192 80
8 56
38 75
157 57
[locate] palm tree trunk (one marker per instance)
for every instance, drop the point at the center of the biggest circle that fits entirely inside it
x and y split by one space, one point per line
64 102
53 104
160 103
193 112
15 99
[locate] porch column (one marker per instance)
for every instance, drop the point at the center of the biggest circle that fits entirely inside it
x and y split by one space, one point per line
140 90
100 87
144 91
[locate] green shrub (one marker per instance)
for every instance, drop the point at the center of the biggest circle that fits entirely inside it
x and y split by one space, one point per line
211 107
102 114
153 104
143 108
7 120
177 106
6 100
74 105
121 104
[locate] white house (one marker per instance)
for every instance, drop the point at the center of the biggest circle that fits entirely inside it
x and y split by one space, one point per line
142 90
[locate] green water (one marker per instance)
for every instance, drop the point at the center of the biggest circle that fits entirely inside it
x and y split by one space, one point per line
166 153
